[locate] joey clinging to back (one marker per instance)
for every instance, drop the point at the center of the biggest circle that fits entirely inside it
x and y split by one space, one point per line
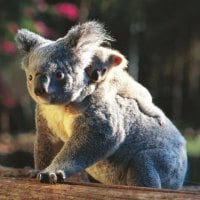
111 65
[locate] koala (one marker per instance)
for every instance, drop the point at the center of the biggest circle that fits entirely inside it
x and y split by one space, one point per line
108 63
104 133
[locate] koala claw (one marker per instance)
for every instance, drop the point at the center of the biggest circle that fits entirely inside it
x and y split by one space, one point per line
53 178
43 177
161 121
61 176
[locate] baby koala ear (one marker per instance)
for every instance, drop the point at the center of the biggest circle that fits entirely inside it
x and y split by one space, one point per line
115 60
27 40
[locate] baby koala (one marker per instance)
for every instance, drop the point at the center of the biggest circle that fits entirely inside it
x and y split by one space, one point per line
111 65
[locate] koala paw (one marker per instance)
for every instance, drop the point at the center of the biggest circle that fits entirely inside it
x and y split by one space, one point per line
51 177
161 120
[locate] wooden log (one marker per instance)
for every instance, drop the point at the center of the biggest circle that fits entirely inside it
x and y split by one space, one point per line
18 188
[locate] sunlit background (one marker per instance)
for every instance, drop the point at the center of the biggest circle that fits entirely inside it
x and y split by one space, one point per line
161 40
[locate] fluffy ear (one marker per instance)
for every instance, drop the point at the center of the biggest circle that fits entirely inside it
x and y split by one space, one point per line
27 40
84 38
115 60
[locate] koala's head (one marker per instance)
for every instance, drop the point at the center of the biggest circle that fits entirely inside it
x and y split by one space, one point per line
55 70
104 62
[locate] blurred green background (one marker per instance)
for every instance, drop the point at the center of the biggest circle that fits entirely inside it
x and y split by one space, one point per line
161 40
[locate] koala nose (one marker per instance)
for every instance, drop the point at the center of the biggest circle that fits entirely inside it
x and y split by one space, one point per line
39 91
40 81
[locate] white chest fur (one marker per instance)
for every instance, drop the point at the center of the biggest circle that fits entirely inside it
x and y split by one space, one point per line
59 119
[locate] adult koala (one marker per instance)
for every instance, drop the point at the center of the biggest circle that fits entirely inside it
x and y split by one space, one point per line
105 133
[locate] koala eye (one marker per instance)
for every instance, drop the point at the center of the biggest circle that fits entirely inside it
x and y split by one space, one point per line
60 75
30 77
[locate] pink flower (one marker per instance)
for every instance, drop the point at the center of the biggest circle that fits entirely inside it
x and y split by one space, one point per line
42 28
9 102
7 47
67 10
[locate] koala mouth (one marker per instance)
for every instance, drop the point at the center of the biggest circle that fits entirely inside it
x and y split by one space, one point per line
43 99
53 99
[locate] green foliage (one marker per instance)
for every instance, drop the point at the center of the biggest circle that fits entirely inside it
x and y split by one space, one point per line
193 146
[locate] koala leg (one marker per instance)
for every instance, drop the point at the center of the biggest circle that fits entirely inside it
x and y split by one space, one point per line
45 150
84 148
45 147
159 167
149 109
145 173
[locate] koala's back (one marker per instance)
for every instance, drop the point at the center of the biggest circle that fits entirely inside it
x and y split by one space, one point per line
148 154
127 87
162 147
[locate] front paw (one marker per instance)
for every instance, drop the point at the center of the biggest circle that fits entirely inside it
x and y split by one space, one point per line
51 177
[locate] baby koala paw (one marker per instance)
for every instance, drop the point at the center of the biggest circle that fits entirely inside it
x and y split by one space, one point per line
161 120
51 177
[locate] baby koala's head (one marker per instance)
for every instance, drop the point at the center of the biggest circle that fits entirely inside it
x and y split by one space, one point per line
104 63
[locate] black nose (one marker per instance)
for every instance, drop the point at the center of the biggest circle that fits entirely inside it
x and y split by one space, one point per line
95 76
39 84
39 91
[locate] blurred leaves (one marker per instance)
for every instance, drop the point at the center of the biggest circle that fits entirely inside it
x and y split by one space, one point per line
193 145
36 15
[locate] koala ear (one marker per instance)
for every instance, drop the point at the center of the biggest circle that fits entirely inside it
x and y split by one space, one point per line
27 40
84 38
115 60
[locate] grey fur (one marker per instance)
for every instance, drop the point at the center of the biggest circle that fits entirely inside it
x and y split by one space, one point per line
27 40
105 133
